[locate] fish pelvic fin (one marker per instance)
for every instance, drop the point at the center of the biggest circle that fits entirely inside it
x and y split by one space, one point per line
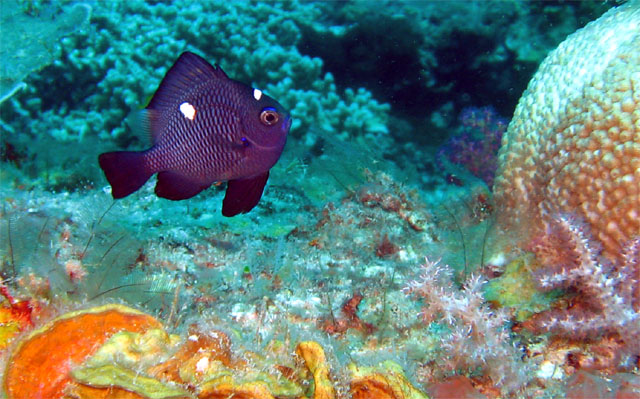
125 170
243 194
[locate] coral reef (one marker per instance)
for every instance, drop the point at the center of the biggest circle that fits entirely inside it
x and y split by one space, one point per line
476 148
430 60
478 336
321 292
608 294
32 32
573 144
41 362
234 35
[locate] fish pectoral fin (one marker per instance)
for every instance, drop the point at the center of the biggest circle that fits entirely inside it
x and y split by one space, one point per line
243 194
174 186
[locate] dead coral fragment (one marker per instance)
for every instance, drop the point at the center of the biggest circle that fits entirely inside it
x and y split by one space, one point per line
349 318
187 364
383 192
41 363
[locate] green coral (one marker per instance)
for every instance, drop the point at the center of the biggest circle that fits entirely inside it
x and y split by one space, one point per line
253 42
104 72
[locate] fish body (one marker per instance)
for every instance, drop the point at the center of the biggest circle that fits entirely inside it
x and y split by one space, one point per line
205 128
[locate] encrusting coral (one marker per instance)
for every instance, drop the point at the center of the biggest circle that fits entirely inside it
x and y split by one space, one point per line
40 365
113 351
573 145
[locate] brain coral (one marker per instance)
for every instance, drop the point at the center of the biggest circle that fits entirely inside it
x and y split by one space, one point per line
573 144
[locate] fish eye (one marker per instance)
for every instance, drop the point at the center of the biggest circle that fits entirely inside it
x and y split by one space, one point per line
269 116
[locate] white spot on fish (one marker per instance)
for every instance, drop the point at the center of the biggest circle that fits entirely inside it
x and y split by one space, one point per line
188 110
257 94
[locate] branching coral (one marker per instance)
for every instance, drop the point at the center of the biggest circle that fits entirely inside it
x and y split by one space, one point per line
573 144
608 294
478 337
30 34
110 71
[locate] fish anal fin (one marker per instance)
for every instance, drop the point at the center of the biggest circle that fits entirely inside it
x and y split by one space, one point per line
174 186
243 194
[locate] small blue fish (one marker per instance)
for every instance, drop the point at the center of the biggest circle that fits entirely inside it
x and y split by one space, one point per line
205 128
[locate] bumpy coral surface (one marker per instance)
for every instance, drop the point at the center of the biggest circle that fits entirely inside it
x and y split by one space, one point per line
573 145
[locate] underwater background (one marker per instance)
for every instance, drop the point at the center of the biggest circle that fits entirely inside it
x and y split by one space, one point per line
430 230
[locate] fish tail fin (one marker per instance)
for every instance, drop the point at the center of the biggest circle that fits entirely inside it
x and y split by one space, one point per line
125 170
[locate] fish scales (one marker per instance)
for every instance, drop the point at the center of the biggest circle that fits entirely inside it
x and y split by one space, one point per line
206 128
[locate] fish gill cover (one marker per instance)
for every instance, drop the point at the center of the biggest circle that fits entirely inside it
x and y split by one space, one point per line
369 267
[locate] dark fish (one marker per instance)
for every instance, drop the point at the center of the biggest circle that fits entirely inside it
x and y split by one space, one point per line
205 128
453 179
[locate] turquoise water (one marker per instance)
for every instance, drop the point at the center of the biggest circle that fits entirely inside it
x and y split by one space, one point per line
398 109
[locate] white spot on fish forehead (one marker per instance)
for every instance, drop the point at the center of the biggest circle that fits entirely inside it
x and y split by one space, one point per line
188 110
257 94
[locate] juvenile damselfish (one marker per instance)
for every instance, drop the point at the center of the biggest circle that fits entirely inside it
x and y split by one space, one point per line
205 128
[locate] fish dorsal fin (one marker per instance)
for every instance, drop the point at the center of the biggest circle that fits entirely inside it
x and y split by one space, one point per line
186 74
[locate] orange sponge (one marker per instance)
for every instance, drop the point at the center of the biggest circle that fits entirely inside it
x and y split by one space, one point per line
39 366
573 145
